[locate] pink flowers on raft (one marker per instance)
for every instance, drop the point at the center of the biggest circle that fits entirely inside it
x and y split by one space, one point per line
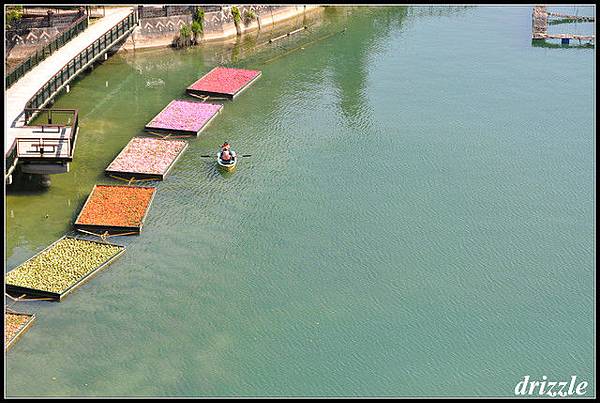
147 156
183 115
224 80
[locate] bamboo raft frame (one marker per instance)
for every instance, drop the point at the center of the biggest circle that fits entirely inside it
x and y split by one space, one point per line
223 95
114 229
159 131
25 327
141 176
58 296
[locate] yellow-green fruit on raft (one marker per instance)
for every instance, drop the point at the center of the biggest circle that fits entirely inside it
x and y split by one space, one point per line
61 266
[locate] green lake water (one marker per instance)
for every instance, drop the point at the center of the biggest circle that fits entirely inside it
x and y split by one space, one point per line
416 218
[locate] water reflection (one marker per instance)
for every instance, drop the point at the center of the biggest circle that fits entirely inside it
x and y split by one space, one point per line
358 45
551 45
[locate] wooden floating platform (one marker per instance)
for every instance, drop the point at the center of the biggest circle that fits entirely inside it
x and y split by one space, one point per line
582 18
146 158
184 117
566 36
107 200
223 82
22 329
539 24
17 290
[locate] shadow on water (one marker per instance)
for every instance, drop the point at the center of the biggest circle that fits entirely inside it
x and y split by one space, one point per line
566 21
224 174
550 45
27 185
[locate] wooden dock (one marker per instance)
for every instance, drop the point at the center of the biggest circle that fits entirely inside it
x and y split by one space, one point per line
41 84
586 38
47 147
540 20
581 18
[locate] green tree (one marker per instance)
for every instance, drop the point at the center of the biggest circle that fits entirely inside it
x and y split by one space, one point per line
196 30
185 35
199 16
13 13
236 19
249 16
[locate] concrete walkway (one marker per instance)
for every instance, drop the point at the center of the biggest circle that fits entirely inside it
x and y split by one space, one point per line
19 93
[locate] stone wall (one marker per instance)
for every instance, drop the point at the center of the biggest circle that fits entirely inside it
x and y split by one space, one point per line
154 28
162 31
27 34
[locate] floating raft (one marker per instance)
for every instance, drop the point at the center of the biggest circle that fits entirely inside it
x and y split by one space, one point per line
17 323
116 209
146 158
184 117
223 82
60 268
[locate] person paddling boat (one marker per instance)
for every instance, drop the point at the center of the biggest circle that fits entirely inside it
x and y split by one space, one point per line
227 158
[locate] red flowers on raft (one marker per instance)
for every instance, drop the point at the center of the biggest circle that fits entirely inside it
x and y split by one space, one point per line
224 80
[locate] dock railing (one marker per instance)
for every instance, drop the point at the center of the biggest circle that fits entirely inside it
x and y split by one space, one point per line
45 50
11 159
78 63
42 142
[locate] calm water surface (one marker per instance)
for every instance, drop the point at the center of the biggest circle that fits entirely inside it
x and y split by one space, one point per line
417 218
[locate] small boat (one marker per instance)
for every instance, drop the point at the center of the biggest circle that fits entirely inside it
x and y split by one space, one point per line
227 165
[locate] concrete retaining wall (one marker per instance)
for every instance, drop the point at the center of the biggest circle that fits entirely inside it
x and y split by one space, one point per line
162 31
29 33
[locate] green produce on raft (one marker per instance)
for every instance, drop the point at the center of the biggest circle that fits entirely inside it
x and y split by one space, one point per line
61 266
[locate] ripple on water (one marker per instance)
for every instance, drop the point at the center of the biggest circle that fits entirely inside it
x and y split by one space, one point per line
401 220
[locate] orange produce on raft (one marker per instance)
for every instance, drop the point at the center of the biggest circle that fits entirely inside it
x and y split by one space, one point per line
13 323
119 206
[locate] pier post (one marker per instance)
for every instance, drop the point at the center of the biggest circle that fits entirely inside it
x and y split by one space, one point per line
45 181
539 22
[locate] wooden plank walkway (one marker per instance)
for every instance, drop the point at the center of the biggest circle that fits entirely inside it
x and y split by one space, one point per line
21 92
566 36
33 142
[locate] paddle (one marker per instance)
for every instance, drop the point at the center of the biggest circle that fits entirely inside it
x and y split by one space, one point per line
212 156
